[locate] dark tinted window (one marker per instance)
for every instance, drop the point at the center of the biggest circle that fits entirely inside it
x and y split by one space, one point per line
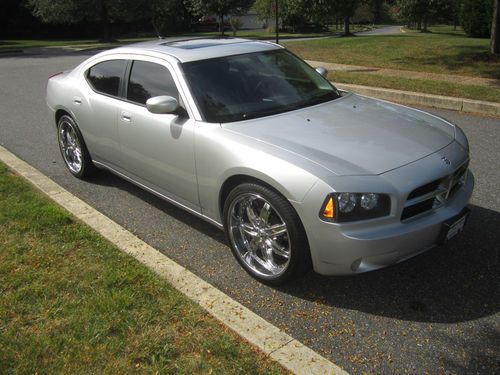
105 77
148 80
241 87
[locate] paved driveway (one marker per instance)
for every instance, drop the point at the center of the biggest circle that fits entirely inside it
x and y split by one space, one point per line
436 313
386 30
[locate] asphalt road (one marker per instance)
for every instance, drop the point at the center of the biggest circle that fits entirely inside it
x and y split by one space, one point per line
437 313
386 30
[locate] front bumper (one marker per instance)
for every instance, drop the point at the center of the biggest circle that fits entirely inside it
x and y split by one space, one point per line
372 244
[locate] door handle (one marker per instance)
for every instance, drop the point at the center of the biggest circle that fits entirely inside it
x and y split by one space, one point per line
77 100
126 116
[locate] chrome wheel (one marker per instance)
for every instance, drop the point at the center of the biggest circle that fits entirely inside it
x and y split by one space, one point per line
70 147
259 235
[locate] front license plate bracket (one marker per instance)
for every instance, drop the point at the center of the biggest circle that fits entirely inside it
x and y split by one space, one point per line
451 227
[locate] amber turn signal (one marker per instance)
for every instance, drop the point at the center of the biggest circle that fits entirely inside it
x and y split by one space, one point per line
329 211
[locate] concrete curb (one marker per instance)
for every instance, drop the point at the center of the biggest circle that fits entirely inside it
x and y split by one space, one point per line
426 100
281 347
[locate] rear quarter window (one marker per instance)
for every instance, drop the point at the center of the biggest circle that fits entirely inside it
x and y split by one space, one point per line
105 77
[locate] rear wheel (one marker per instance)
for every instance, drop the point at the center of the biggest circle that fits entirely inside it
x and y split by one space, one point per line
265 234
73 149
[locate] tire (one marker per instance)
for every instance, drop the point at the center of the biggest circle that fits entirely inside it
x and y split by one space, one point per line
265 234
73 149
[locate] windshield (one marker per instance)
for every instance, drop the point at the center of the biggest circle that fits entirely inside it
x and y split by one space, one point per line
241 87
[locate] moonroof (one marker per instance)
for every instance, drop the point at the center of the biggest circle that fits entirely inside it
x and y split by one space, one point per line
198 43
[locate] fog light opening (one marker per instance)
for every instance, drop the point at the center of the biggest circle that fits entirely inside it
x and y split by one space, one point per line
355 265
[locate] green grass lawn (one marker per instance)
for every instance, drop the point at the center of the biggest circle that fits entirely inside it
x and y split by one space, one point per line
440 51
418 85
74 304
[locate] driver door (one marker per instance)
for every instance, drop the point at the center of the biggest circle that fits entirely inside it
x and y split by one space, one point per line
157 149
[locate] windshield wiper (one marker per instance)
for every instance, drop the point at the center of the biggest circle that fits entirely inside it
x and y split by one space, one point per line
263 112
322 98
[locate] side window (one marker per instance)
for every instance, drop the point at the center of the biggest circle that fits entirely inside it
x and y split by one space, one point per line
148 80
105 77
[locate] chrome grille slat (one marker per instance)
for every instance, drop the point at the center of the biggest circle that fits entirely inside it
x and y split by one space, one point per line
418 204
424 197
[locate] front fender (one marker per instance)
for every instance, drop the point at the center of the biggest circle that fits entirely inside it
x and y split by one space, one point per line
221 155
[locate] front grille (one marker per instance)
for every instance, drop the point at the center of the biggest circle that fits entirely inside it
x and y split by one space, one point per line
424 189
417 209
434 194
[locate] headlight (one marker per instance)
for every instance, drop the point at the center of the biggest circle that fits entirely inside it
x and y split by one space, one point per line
344 207
346 202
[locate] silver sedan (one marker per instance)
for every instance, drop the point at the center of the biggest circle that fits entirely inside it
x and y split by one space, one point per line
252 139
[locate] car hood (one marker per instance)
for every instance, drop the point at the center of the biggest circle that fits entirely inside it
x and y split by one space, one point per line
352 135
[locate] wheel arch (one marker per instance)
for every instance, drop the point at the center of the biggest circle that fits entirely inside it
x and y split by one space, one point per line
60 113
231 182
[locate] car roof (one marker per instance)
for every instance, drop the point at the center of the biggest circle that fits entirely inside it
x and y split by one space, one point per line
193 49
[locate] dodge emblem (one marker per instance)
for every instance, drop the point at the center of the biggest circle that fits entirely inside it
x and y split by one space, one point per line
446 160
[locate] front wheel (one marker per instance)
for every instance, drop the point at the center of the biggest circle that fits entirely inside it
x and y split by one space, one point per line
265 234
73 148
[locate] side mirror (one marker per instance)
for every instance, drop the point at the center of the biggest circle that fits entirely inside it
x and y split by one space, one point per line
162 104
322 71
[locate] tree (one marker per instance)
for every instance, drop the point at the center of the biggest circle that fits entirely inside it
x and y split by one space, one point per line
377 9
423 12
297 15
16 20
476 16
347 8
456 5
106 12
219 7
290 12
495 28
167 16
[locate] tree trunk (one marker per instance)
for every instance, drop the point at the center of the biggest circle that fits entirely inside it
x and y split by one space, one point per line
221 24
377 12
347 22
157 26
495 28
276 16
424 30
455 16
105 23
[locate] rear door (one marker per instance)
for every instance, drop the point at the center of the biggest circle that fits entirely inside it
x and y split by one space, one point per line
97 110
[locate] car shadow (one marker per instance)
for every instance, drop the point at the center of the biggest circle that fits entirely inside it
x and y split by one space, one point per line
471 56
105 178
456 282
